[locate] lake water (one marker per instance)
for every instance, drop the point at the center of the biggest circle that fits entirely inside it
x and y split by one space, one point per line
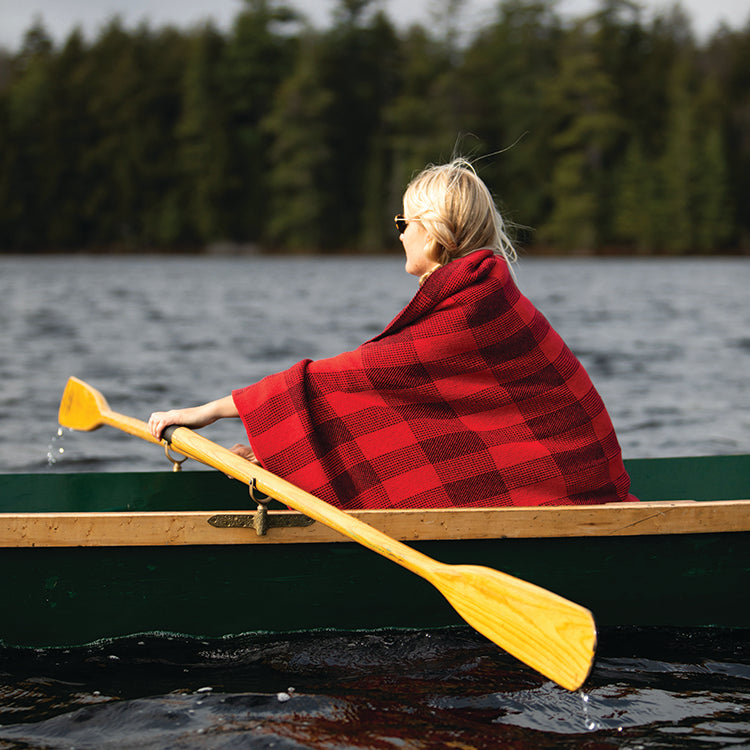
421 691
667 342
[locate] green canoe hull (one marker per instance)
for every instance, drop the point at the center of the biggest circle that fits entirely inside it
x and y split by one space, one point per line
72 595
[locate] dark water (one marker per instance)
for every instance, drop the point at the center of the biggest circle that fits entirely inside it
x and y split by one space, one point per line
446 689
666 342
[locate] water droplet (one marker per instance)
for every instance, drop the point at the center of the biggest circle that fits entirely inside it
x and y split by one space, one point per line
53 450
590 724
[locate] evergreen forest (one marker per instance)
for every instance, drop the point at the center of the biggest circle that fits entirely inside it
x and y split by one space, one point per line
599 134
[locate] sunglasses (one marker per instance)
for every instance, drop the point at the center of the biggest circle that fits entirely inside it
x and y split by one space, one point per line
401 223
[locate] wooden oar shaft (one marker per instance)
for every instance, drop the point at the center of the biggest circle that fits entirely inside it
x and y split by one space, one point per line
131 425
547 632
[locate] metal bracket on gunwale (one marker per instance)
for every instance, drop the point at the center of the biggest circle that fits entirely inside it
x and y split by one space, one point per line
236 521
260 520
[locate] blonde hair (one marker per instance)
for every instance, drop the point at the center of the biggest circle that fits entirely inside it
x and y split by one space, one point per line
458 212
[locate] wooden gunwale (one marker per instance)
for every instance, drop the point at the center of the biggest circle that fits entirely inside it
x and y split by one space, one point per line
176 528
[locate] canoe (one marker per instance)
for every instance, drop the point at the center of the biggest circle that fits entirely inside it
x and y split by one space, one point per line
95 556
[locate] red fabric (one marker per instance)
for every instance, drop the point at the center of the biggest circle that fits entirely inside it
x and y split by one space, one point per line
468 398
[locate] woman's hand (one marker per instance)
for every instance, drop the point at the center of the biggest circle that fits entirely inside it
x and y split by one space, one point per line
192 417
245 451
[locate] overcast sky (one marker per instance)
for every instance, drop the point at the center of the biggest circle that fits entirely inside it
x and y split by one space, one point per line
60 16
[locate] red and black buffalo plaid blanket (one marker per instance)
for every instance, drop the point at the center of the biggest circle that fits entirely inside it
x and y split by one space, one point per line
468 398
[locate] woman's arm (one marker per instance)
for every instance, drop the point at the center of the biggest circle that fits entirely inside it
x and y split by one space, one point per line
194 416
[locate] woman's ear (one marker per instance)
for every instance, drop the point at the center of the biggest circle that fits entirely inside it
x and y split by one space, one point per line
432 249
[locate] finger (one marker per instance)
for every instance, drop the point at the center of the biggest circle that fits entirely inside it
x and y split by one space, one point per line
156 425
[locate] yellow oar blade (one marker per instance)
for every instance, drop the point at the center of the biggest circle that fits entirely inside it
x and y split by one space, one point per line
81 407
84 408
553 635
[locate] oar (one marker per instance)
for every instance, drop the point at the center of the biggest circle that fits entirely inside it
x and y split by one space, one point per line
551 634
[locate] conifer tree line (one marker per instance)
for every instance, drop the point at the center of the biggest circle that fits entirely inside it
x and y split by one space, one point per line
598 134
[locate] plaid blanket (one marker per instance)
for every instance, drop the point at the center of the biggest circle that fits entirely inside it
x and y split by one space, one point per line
467 398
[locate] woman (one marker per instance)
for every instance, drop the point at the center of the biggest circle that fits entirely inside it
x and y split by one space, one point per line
467 398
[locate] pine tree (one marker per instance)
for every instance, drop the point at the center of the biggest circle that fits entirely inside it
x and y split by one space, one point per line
202 132
300 156
258 57
581 105
676 166
26 183
506 74
632 222
425 118
358 69
713 209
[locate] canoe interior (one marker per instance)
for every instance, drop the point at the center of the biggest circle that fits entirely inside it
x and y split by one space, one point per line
72 596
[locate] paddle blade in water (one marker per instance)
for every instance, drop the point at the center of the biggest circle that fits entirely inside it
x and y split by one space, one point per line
551 634
81 407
